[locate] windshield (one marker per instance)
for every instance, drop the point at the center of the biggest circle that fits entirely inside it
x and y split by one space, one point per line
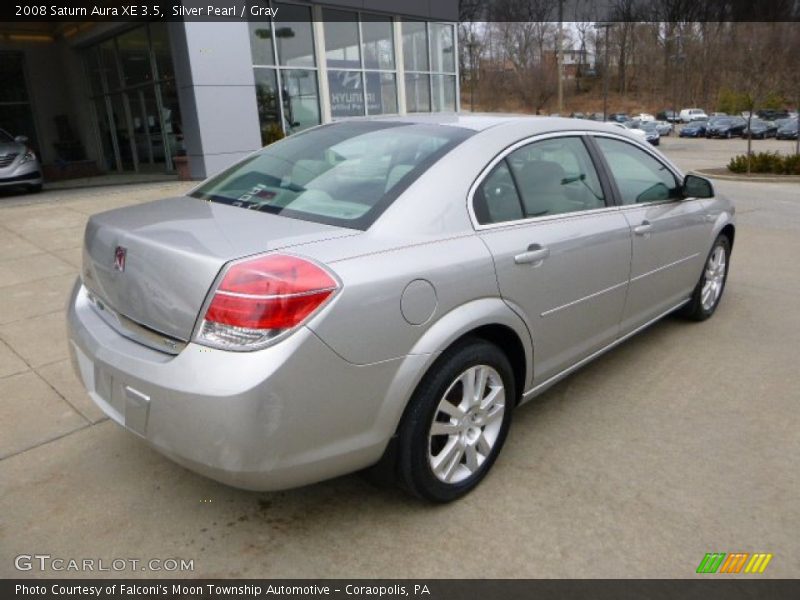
5 137
344 174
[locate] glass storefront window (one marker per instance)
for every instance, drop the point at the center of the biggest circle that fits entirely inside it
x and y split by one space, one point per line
261 43
347 93
415 46
293 36
300 99
418 92
381 93
108 64
134 57
378 43
444 93
131 80
159 39
267 100
341 39
442 48
94 71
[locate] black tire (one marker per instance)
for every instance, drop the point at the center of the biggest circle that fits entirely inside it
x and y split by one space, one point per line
414 471
694 309
35 189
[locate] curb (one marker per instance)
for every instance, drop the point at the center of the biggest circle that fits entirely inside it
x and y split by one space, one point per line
759 178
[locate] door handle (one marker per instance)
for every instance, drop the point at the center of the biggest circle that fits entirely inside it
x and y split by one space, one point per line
643 229
534 254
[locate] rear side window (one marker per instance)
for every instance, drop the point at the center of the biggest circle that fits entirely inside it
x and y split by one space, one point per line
344 174
496 199
549 177
556 176
639 176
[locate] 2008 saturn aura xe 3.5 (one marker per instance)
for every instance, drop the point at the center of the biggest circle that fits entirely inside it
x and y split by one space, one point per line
385 293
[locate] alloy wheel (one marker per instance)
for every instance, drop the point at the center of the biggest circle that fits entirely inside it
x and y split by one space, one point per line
466 424
715 278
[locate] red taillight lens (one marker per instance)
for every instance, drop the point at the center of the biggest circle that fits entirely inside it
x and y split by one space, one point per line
259 299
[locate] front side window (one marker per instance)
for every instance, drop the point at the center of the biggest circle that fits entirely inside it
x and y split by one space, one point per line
344 174
639 176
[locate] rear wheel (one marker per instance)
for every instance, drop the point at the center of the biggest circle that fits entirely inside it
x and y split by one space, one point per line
456 422
35 188
707 293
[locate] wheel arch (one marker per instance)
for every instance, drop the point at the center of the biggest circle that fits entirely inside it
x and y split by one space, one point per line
490 319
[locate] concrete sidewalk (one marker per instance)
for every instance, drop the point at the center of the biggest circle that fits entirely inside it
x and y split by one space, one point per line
682 441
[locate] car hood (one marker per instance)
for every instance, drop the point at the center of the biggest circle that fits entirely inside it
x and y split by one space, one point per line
174 249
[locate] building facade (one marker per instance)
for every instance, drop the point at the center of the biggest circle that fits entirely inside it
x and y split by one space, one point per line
123 97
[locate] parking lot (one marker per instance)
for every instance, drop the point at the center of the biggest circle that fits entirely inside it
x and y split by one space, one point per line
682 441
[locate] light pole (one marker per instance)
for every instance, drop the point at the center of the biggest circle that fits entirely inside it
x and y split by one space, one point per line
606 26
472 45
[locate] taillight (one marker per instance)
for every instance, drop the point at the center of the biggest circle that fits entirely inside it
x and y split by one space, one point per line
261 298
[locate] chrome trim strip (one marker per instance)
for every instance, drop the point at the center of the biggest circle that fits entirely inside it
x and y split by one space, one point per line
567 133
558 376
579 300
273 296
133 330
662 267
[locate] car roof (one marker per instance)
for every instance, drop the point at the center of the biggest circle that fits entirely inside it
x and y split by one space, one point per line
483 121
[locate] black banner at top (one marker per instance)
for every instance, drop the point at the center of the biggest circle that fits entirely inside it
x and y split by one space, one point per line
473 10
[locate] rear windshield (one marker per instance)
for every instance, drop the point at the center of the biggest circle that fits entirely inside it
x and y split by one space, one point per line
343 174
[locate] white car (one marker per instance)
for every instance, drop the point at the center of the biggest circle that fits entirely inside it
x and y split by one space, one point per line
632 129
644 117
692 114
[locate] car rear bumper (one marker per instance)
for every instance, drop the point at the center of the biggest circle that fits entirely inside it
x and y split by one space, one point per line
288 415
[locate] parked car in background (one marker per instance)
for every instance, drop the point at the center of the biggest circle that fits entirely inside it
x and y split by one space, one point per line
664 128
725 127
19 166
693 114
650 132
770 114
781 122
385 292
619 117
788 131
668 115
578 115
644 117
760 129
694 129
718 114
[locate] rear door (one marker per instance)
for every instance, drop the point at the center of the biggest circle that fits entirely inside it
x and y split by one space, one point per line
562 253
669 233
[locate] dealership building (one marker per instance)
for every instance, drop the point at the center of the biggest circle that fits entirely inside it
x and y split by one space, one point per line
137 98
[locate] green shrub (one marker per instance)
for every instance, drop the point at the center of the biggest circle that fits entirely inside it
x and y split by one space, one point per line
766 162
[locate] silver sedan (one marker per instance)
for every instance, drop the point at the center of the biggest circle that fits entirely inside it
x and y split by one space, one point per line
385 293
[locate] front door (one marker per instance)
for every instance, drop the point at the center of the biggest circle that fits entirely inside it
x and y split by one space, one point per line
669 232
562 255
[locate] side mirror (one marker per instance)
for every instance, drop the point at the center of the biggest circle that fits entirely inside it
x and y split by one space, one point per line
695 186
21 139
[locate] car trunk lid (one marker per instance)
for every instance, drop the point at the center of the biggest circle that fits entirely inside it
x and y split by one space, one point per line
155 263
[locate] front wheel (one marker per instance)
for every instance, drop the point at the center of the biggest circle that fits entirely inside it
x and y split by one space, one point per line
708 292
456 422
